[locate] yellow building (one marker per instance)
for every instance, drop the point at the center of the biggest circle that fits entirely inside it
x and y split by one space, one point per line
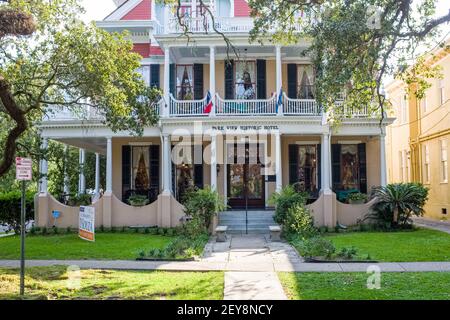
417 143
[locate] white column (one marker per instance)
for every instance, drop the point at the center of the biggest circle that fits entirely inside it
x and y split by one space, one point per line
212 77
165 111
278 75
167 164
44 167
97 173
278 170
194 8
225 171
108 165
82 178
213 161
325 163
383 179
66 188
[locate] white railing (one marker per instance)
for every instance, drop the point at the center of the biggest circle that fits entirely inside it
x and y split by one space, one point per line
160 106
186 108
307 107
205 24
63 113
246 107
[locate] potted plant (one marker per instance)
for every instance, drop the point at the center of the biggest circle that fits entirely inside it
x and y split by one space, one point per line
357 198
137 200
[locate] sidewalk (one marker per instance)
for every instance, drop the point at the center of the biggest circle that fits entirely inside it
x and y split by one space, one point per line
443 226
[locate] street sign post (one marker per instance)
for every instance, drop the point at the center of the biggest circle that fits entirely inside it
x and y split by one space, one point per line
24 168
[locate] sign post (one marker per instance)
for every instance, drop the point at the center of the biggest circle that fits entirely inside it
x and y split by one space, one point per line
23 173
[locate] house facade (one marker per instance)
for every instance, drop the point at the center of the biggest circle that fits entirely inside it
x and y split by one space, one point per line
246 125
417 141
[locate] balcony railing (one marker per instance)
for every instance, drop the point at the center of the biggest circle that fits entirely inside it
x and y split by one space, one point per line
63 113
246 107
307 107
187 108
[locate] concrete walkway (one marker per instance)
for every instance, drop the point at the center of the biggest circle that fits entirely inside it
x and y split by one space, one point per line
443 226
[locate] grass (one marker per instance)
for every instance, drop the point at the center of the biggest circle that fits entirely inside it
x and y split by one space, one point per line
353 286
401 246
113 246
52 283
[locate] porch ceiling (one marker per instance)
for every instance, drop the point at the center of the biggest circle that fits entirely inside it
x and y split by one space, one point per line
90 144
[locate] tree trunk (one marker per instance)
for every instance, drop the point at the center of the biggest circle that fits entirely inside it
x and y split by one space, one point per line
21 125
395 217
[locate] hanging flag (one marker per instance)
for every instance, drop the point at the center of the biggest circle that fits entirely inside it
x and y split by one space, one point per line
280 100
209 103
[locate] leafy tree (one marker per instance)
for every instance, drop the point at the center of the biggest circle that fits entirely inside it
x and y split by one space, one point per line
50 59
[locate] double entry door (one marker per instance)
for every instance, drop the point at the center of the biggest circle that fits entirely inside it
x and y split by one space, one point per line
245 179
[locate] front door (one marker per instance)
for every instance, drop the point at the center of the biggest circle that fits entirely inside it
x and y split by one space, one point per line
245 181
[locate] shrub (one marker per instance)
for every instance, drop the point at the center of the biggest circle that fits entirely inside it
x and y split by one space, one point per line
396 203
138 200
316 247
285 199
299 221
347 253
357 196
80 200
203 204
10 209
161 231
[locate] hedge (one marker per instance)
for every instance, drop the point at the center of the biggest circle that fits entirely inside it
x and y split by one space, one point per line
10 209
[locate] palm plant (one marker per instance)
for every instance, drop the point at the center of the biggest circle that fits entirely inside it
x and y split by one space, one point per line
397 202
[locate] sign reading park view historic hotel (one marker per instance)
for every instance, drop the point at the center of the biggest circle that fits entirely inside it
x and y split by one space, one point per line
244 128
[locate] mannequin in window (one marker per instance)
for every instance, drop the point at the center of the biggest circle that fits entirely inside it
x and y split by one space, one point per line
249 92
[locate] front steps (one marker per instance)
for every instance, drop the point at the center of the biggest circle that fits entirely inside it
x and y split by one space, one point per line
258 221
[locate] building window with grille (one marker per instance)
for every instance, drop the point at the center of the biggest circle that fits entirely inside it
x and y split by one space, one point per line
444 161
404 106
406 156
424 103
426 164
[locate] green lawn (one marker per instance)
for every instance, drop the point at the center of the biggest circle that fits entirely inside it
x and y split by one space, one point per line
402 246
51 283
353 286
112 246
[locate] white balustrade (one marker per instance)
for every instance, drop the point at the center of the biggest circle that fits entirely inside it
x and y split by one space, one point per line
246 107
307 107
186 108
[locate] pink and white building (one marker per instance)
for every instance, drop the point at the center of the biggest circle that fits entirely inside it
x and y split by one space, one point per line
263 130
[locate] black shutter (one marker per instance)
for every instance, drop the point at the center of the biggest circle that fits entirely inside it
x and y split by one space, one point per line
362 168
172 77
293 163
336 165
154 76
292 80
198 171
319 166
229 84
261 79
154 167
198 81
126 170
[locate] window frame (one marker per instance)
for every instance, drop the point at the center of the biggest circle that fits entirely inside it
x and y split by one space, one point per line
253 82
426 176
443 163
181 86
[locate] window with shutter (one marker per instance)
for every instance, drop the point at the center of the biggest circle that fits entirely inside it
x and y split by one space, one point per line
229 85
126 170
198 81
292 80
261 79
362 168
154 76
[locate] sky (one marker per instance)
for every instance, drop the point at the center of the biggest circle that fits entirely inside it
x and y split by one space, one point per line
97 9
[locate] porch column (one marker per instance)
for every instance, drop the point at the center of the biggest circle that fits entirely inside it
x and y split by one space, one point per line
44 167
81 177
212 77
167 165
108 165
97 173
66 177
326 161
166 110
383 179
278 76
213 161
278 170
